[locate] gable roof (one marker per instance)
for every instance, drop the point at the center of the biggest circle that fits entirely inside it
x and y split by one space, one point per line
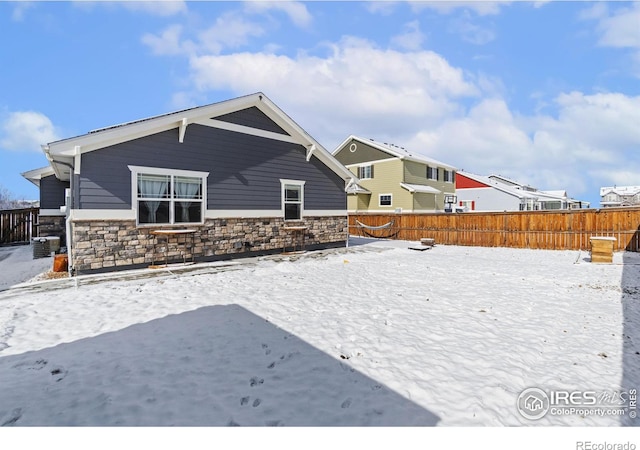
518 190
489 182
620 190
394 151
36 175
63 155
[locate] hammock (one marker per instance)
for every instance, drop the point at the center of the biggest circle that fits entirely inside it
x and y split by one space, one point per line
369 227
387 225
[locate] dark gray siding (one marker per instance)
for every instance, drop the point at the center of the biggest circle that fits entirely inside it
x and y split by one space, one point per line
52 192
363 153
244 171
252 117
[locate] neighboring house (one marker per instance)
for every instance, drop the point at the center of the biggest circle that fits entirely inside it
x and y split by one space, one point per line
497 193
236 177
394 179
619 196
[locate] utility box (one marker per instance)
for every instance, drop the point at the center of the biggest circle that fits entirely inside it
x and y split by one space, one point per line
602 249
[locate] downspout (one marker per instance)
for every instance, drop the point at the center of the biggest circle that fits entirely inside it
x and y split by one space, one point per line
69 208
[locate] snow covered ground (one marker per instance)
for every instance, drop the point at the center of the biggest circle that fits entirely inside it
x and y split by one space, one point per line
17 265
373 335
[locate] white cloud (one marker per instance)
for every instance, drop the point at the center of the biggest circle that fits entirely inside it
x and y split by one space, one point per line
158 8
622 28
482 8
411 39
19 10
471 32
168 42
383 8
229 31
618 29
26 131
376 91
592 141
297 11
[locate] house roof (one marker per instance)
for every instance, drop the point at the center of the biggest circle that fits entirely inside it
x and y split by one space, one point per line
620 190
63 154
503 187
355 188
394 150
420 188
36 175
517 190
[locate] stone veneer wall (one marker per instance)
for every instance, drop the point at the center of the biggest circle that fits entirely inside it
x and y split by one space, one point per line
52 226
102 245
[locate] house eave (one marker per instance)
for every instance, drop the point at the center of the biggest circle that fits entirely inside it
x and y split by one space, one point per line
66 150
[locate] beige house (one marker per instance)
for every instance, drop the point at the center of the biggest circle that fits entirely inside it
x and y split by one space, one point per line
392 179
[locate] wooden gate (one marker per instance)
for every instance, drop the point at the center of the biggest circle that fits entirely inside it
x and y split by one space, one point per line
18 225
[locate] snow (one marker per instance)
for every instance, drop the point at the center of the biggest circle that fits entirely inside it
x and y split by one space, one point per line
372 335
17 265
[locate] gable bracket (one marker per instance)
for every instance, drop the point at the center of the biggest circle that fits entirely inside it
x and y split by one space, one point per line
310 151
183 129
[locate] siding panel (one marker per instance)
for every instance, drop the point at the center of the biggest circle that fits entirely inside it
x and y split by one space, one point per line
254 118
244 170
52 192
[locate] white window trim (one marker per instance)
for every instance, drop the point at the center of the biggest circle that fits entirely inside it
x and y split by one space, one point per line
300 183
135 170
448 176
370 166
433 168
380 201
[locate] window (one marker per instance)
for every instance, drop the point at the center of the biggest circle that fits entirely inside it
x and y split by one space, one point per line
449 176
292 199
432 173
385 200
365 172
166 197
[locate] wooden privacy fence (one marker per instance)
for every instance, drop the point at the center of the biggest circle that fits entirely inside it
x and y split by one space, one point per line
18 225
552 230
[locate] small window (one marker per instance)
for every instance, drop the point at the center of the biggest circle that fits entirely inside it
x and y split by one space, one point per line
385 200
449 176
292 199
432 173
365 172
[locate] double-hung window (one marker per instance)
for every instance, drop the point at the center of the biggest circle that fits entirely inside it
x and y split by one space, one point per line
449 176
292 199
167 197
365 172
432 173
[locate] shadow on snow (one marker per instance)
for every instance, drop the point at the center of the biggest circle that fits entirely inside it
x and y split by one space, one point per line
214 366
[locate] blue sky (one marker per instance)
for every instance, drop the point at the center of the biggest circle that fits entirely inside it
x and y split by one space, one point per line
547 93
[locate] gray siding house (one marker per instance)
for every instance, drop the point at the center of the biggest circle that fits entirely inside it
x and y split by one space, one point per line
234 178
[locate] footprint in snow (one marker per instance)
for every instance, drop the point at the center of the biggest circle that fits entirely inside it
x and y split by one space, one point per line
346 404
255 381
37 365
244 401
14 416
59 373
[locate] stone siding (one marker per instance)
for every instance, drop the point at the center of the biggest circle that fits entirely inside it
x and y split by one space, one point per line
52 226
103 245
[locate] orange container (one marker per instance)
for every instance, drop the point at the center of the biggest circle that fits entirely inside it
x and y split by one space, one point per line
60 263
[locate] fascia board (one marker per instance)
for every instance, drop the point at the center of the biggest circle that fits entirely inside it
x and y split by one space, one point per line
126 132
